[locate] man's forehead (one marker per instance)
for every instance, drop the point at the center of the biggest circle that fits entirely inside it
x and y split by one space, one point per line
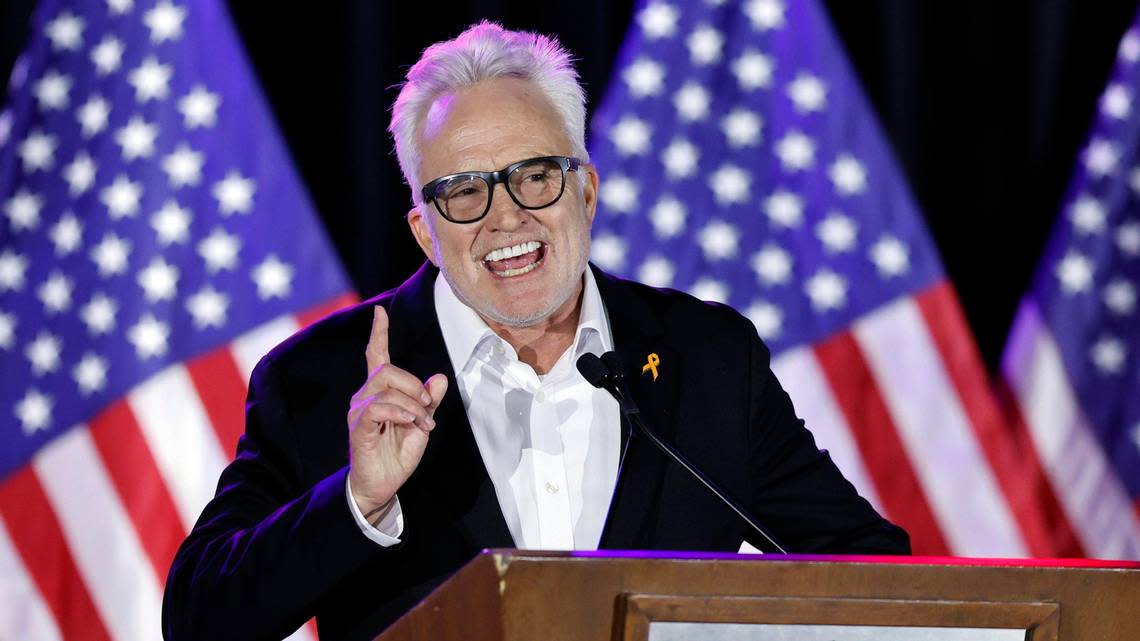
437 114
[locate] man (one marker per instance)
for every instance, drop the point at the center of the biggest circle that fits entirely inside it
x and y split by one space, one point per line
468 425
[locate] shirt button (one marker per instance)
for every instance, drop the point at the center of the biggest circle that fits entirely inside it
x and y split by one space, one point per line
551 488
540 396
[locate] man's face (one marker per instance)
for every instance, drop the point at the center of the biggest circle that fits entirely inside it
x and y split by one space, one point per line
485 128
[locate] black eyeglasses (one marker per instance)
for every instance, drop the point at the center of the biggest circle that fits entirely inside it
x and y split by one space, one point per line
533 183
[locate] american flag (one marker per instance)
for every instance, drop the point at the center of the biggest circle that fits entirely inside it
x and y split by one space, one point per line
155 241
740 162
1072 362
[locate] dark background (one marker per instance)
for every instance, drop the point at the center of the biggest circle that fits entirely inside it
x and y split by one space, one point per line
986 104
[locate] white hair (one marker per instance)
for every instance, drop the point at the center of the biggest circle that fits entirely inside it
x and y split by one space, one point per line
483 52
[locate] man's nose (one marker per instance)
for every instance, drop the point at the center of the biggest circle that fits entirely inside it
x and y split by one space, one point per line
505 214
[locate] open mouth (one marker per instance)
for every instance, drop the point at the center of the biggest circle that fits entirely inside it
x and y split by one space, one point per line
516 260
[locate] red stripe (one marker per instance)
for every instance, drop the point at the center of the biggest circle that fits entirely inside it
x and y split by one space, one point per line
38 538
139 484
873 429
221 387
310 316
1004 438
311 626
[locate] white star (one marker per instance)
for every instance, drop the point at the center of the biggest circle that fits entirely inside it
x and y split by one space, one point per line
1120 296
796 151
5 127
65 32
171 223
753 70
199 108
7 330
658 20
34 412
1075 272
718 240
51 91
93 115
159 280
1130 47
80 174
1101 157
121 197
765 14
710 290
90 374
1134 180
274 278
1116 101
149 337
692 102
219 250
644 78
208 307
151 80
608 251
730 184
1136 436
836 232
680 158
1128 238
137 138
656 271
23 210
668 217
119 7
827 290
234 193
619 194
784 208
767 318
741 127
631 136
38 151
773 265
704 45
110 255
66 234
808 93
99 314
891 257
848 175
183 166
107 55
43 353
13 268
164 21
55 293
1108 354
1088 215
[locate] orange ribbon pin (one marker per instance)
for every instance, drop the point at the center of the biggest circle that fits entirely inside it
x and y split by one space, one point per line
651 365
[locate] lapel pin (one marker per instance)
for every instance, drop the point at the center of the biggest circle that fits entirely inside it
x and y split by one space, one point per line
651 364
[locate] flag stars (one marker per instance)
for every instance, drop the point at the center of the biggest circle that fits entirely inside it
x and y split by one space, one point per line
767 318
119 7
164 21
1116 101
718 240
158 280
808 93
1128 238
772 264
110 255
796 151
730 184
1120 297
137 138
705 44
608 251
38 151
107 56
1101 157
765 15
43 353
55 293
52 91
121 197
644 77
784 209
23 210
13 268
273 277
80 174
692 102
171 223
619 194
711 290
65 32
34 412
742 128
151 80
183 166
848 175
90 374
1136 436
99 314
753 70
219 250
66 234
656 271
658 20
1130 47
1088 215
631 136
93 115
837 233
208 306
680 158
7 330
234 194
891 257
199 108
827 290
149 336
1075 272
667 217
1108 354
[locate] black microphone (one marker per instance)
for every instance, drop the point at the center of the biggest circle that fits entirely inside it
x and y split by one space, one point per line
606 373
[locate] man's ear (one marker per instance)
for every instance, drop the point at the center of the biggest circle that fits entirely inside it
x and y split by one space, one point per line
421 230
590 191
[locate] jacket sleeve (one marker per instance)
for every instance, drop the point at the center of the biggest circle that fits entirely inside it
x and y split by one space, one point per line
797 489
267 547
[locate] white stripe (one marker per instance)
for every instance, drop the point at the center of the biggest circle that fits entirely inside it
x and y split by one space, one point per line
936 433
24 615
177 429
100 535
1096 503
803 378
251 346
302 634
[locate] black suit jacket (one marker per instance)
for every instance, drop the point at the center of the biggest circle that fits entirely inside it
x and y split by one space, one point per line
278 543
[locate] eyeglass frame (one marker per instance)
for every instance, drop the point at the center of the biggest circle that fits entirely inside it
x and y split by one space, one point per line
492 178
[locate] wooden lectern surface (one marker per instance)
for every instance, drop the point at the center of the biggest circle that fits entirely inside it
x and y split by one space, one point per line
512 595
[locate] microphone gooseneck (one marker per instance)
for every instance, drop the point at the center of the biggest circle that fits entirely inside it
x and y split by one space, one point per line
606 373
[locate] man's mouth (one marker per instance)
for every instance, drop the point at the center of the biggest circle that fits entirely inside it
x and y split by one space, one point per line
515 260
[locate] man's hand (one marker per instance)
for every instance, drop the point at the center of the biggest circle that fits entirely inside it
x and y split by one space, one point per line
389 422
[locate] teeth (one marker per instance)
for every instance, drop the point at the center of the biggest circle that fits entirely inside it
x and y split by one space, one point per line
516 272
512 251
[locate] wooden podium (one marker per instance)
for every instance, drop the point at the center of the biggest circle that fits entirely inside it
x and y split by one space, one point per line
533 596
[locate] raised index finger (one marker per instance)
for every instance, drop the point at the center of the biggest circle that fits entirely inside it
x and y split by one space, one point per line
376 354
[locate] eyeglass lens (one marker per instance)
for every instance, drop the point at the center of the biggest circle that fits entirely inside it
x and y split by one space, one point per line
534 185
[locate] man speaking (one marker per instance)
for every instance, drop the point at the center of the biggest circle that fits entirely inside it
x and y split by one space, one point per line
387 445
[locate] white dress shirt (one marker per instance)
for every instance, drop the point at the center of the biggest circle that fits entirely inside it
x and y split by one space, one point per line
550 443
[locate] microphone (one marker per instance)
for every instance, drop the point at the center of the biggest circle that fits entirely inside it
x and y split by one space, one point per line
606 373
